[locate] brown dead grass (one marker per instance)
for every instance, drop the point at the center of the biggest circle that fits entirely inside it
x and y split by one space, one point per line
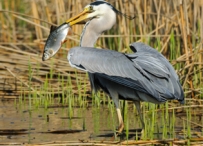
24 26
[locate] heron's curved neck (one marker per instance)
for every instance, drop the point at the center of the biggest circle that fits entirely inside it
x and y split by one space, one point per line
89 36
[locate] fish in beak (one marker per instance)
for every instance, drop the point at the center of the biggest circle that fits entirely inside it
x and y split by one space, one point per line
58 34
55 39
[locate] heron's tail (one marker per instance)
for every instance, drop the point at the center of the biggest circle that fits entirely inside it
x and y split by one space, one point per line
181 99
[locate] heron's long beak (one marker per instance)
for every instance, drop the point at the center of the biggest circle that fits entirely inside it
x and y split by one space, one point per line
78 18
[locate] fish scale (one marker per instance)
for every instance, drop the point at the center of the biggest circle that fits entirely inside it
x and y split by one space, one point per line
55 39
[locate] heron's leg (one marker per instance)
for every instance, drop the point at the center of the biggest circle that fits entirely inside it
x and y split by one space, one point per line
123 111
137 104
120 119
115 98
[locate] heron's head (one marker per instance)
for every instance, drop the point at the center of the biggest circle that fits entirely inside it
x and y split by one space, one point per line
101 16
102 13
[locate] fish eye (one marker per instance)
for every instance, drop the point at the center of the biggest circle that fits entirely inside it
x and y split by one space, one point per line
51 51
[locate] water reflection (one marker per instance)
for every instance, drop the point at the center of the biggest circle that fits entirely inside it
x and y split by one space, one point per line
18 123
41 125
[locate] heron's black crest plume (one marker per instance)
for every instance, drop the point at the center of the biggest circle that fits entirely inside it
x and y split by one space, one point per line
114 9
126 16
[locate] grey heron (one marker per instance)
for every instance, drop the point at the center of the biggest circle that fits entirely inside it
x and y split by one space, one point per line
144 75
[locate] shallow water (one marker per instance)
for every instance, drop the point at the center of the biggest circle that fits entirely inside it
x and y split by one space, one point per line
54 123
19 124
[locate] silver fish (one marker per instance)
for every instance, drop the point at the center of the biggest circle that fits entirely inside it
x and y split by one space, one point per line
55 39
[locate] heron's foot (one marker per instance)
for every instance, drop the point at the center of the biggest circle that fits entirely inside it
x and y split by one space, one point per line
120 129
117 134
142 133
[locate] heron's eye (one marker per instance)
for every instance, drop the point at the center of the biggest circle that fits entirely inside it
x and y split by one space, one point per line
91 8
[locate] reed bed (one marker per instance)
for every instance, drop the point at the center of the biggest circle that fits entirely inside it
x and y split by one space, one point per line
172 27
175 28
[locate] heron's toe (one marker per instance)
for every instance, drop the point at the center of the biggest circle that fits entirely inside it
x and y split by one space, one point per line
120 128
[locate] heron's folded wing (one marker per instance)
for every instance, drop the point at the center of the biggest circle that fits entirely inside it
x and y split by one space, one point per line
158 67
149 64
142 49
119 68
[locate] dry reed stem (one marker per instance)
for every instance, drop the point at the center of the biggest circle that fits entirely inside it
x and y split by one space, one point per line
23 82
36 15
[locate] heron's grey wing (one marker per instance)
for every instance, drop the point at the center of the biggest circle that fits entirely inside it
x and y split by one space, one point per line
157 73
158 68
141 48
107 62
119 68
150 64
